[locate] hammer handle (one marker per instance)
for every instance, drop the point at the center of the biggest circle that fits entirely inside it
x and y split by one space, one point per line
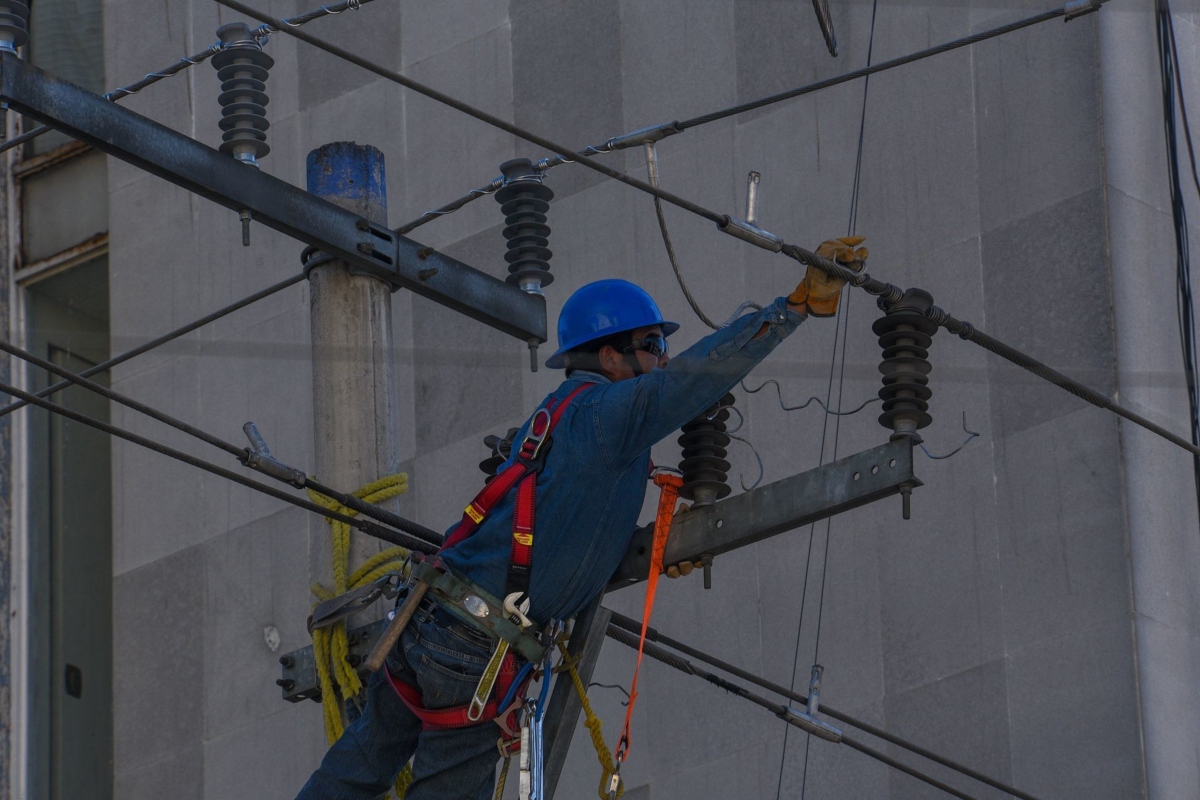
391 634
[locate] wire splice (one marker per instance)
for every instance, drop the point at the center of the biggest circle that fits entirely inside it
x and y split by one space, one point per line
753 234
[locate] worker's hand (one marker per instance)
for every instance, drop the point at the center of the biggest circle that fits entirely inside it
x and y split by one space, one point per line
820 292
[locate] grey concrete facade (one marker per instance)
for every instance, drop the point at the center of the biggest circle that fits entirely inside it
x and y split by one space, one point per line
1038 618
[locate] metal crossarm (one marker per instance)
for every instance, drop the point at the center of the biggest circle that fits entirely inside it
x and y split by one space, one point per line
275 203
776 508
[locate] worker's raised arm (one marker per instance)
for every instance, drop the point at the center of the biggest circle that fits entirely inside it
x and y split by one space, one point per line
632 415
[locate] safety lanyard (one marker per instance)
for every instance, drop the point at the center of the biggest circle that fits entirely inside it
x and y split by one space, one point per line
668 485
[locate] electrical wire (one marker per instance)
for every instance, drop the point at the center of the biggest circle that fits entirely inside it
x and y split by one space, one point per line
970 435
161 340
1169 75
945 47
388 535
259 33
240 453
630 139
654 635
889 292
782 711
808 402
844 324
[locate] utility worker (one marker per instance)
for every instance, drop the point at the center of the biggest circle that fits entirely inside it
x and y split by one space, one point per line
621 395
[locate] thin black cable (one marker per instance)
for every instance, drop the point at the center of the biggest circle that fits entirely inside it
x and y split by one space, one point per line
122 92
782 711
808 402
161 340
654 635
946 47
240 453
844 326
370 528
1168 66
812 534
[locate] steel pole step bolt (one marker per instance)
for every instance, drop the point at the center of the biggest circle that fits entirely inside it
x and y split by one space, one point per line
524 201
905 333
242 67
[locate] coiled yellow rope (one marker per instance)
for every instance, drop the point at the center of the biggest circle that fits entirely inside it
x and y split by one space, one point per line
593 723
337 678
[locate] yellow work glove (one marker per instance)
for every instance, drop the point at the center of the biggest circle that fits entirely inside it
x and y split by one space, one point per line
820 291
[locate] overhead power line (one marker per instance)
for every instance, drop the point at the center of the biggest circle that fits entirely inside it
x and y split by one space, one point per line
782 711
889 292
190 61
653 635
161 340
243 454
657 132
389 535
1070 11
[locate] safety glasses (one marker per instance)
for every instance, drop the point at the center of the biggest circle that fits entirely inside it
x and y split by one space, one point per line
654 345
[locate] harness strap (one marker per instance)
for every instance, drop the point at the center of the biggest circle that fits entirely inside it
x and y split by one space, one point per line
444 719
528 460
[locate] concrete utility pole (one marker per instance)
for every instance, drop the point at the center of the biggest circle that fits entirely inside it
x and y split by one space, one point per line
355 411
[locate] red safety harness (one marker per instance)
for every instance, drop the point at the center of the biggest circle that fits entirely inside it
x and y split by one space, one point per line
520 475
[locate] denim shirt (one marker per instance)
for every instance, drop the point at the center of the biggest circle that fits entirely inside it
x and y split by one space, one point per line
590 493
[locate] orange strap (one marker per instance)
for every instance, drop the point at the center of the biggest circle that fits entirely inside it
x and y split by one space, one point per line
668 485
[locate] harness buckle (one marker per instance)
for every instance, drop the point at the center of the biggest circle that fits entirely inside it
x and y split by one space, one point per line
474 513
534 437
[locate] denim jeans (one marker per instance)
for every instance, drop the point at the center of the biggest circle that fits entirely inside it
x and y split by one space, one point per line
444 659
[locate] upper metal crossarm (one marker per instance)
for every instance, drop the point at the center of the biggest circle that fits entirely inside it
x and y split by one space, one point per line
775 508
275 203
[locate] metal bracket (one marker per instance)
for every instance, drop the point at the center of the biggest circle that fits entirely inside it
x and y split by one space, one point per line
260 458
299 680
277 204
775 508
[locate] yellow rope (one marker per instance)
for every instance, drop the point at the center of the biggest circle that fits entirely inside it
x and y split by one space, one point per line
501 780
330 648
593 724
403 780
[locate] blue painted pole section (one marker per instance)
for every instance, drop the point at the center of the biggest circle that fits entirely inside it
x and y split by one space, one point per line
352 176
357 433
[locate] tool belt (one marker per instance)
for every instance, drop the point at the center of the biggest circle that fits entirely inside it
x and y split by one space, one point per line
475 607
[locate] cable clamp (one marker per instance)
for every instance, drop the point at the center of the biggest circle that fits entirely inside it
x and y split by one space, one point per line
259 458
1079 8
654 133
807 719
751 233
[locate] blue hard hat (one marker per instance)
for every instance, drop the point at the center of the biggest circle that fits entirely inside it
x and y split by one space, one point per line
601 309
